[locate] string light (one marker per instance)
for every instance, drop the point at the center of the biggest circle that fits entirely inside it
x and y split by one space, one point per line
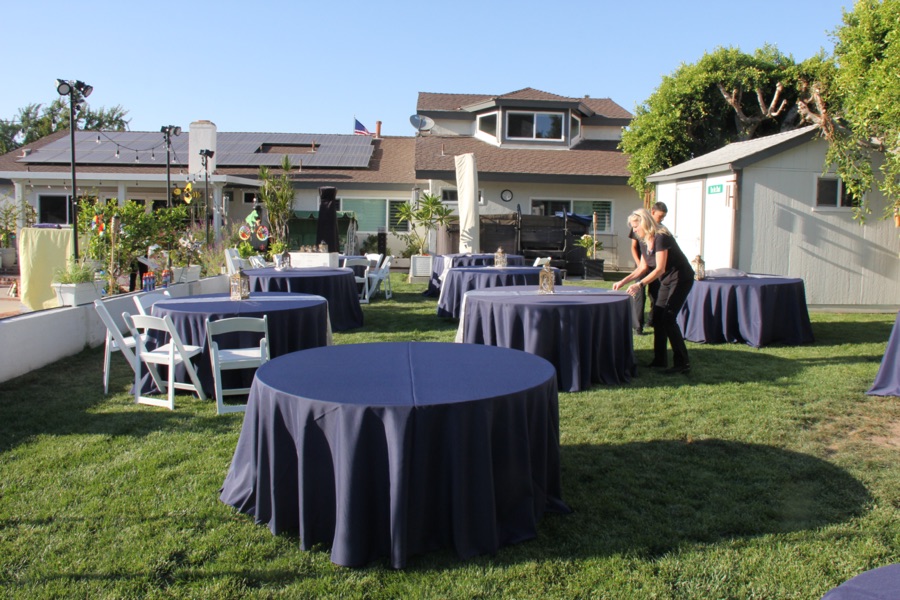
137 158
117 151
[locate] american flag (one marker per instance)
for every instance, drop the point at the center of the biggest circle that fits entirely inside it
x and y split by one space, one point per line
360 129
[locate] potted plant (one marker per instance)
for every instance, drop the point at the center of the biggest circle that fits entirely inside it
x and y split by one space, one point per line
185 255
76 284
427 215
9 214
593 267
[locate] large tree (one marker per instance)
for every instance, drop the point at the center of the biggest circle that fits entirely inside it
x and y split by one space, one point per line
860 114
35 121
726 96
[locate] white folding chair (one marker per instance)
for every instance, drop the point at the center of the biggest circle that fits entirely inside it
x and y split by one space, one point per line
381 276
231 258
257 262
116 341
224 359
362 281
374 260
540 262
145 300
170 354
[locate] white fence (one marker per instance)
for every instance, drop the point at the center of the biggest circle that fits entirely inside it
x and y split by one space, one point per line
33 340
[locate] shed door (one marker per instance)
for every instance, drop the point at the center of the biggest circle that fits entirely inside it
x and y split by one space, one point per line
718 231
688 217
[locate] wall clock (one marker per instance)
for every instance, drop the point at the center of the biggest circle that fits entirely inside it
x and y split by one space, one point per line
506 195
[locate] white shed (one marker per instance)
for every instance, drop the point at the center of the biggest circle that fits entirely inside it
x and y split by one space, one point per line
765 206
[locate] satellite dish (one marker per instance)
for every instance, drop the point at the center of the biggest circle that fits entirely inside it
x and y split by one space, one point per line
421 122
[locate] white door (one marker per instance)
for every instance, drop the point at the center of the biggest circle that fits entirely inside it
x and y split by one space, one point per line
718 225
687 221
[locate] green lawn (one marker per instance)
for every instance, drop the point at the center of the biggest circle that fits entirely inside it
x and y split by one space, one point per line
764 474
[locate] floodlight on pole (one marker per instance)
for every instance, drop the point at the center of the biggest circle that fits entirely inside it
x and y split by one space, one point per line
68 88
205 155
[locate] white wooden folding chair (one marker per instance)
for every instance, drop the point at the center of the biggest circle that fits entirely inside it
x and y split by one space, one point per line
362 281
171 354
374 260
381 277
116 341
224 359
145 300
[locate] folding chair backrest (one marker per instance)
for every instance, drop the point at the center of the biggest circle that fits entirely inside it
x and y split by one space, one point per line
145 300
232 324
541 261
374 260
112 328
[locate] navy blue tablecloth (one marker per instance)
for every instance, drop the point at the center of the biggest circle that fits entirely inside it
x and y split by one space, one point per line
757 310
442 262
460 280
296 322
337 285
887 382
584 332
882 583
368 449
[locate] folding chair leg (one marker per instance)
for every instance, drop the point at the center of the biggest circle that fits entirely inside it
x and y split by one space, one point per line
106 361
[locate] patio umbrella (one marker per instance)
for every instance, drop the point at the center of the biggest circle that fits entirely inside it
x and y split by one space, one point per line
467 192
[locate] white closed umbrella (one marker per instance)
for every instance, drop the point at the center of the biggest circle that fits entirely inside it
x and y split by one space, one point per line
467 193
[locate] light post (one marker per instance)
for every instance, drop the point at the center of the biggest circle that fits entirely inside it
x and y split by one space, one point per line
168 131
68 88
205 155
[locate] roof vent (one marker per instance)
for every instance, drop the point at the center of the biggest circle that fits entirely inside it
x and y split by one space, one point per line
26 152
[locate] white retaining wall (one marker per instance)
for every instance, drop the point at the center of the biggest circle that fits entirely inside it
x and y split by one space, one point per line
33 340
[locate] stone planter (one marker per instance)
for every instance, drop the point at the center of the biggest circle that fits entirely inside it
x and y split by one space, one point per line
593 268
8 258
76 294
186 274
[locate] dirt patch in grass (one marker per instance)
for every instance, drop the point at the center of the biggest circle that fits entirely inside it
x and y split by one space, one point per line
891 440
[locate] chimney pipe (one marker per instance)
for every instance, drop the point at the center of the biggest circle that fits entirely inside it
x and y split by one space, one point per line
377 129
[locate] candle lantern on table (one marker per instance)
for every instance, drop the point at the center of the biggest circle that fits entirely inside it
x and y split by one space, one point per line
240 285
546 280
699 268
500 258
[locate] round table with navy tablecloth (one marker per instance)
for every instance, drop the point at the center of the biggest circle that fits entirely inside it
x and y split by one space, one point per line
882 583
887 382
459 280
584 332
757 310
368 449
337 285
441 263
295 321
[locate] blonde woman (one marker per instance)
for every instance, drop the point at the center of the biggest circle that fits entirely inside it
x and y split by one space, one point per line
675 276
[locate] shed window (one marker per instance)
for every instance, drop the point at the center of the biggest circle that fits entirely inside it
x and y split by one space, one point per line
831 193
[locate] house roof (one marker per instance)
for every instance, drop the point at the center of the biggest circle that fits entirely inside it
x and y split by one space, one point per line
387 160
736 156
591 161
465 103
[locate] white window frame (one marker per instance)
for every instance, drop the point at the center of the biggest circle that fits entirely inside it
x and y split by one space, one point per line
612 206
455 203
562 130
838 207
388 205
485 135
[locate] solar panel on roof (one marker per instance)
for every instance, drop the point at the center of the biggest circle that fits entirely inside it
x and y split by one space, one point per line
233 149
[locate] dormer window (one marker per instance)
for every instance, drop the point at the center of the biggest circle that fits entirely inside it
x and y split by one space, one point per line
521 125
574 128
487 124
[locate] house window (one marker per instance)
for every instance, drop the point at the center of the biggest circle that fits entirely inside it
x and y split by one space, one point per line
550 207
534 125
53 209
374 214
831 193
249 197
488 124
159 204
574 127
603 208
449 195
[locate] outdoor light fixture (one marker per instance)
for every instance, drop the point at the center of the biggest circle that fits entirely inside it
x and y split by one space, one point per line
68 88
168 131
205 155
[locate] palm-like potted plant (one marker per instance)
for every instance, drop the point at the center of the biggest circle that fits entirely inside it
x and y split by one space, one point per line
593 267
9 214
426 216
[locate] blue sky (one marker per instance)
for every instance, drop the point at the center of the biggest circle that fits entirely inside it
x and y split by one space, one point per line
310 67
